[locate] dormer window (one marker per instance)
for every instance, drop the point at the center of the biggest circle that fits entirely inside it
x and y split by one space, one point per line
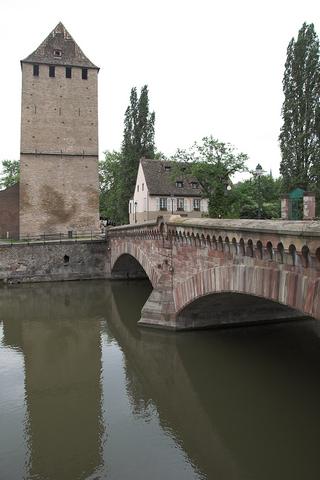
57 53
194 184
179 184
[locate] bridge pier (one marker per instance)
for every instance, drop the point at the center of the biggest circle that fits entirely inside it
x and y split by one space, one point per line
159 310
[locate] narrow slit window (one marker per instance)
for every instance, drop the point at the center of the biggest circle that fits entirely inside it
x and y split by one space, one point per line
84 74
36 70
68 72
52 71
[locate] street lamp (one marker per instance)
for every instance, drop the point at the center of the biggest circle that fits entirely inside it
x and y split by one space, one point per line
135 212
258 173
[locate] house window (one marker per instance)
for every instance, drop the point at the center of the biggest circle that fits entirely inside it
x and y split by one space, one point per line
167 168
143 187
57 53
196 204
52 71
68 72
36 70
194 184
84 74
163 204
180 204
179 184
137 188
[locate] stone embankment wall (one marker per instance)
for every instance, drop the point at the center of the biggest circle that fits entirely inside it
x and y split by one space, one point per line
54 261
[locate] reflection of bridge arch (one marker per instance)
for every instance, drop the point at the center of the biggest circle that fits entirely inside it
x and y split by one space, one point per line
284 287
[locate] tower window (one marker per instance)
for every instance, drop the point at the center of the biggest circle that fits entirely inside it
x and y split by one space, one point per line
68 72
36 70
84 74
57 53
52 71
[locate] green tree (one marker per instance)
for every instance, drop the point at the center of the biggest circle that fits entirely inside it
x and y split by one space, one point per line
244 197
110 186
10 173
138 142
213 163
300 132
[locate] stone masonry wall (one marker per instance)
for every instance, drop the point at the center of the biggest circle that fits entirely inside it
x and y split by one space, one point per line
54 261
59 113
58 194
59 188
9 212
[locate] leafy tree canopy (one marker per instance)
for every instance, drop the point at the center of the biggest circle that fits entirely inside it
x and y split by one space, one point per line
213 163
110 186
10 173
244 198
300 132
138 142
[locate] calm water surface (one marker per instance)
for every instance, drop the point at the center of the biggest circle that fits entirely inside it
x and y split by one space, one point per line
86 394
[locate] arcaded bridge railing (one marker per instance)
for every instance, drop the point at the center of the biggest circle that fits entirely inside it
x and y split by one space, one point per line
295 243
187 260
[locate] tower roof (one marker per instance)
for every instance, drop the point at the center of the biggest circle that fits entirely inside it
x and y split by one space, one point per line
59 48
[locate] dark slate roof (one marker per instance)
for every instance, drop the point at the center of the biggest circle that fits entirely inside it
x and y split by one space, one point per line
59 40
162 181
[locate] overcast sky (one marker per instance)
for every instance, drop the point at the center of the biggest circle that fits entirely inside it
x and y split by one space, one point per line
212 67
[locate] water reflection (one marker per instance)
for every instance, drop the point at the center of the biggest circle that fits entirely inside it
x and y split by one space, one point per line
59 336
106 399
241 402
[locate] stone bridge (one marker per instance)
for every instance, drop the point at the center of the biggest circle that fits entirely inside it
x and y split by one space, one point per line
210 272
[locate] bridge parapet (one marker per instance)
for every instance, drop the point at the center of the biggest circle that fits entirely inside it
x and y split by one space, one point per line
145 230
291 243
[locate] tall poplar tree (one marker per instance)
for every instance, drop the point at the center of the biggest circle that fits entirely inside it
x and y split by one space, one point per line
138 141
300 132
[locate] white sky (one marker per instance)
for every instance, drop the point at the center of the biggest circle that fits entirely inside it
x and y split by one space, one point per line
212 67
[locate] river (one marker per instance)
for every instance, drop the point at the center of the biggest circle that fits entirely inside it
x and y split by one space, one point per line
87 394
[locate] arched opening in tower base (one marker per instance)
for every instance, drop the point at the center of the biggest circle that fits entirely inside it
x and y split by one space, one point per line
233 309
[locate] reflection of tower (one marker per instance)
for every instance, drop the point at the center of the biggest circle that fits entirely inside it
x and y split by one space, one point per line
60 339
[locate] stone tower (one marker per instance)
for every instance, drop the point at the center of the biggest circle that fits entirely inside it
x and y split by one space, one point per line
59 189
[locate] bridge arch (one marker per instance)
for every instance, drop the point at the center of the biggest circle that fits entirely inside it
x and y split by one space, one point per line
128 260
287 288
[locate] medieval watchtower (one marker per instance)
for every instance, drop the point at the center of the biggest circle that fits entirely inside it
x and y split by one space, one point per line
59 139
